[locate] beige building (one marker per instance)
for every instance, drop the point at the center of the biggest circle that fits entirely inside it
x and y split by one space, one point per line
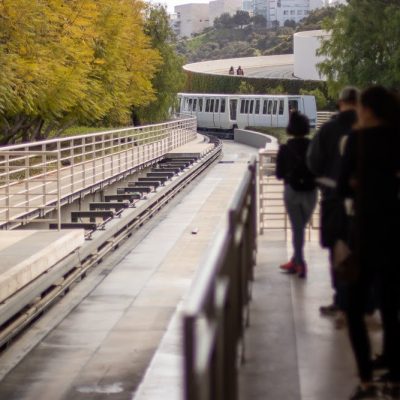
191 18
218 7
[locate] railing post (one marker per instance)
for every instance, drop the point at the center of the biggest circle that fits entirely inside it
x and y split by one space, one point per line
58 186
7 188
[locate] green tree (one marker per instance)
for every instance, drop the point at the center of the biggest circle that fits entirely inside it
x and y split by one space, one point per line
364 45
224 21
241 18
169 78
320 98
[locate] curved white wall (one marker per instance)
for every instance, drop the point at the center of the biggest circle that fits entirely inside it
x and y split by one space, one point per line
305 46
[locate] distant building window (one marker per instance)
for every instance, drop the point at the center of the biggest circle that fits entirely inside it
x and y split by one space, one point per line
299 12
285 12
292 12
306 12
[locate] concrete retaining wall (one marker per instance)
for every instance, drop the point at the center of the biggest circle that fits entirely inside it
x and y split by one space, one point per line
254 139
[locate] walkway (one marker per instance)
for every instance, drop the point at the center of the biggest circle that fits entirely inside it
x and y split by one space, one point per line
292 352
100 347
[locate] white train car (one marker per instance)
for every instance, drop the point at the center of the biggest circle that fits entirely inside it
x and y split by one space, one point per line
226 112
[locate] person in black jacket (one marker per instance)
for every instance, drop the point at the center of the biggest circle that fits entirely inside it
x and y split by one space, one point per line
324 158
300 194
370 175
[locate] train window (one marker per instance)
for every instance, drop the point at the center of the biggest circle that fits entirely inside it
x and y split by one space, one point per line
242 103
216 106
293 105
222 105
281 107
246 109
201 105
194 104
265 106
190 105
212 105
275 107
251 106
269 107
207 105
257 111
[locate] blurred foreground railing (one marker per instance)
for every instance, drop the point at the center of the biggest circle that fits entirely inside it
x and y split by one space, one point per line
35 177
271 211
216 311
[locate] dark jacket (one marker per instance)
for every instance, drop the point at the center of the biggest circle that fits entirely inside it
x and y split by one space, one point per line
370 175
323 156
290 156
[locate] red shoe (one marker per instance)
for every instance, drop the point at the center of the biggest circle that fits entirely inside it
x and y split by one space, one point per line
290 267
302 270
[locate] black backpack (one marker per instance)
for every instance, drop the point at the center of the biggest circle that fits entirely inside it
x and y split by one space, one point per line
299 177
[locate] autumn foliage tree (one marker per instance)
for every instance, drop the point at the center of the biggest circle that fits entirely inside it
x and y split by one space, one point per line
68 62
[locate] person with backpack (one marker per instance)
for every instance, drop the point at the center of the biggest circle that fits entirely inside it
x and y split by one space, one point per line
300 193
324 159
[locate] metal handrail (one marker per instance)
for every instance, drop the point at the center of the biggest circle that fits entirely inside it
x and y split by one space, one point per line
271 211
214 316
28 179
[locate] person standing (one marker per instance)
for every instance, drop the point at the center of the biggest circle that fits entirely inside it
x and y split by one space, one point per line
231 71
323 159
300 194
370 175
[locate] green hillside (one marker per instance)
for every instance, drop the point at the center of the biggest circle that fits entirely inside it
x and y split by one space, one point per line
243 36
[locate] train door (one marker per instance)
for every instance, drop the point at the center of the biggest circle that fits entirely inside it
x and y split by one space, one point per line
251 121
224 114
233 110
282 113
216 116
257 113
274 116
269 112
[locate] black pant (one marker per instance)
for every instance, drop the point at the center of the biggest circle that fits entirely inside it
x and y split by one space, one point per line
357 303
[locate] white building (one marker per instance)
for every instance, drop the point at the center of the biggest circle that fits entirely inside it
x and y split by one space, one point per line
305 46
279 11
191 18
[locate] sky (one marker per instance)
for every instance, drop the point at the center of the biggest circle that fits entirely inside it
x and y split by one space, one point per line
172 3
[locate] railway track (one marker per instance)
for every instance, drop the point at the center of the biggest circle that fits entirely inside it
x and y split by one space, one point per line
27 305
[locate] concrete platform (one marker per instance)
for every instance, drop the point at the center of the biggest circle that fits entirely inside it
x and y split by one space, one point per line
196 148
102 349
294 353
26 254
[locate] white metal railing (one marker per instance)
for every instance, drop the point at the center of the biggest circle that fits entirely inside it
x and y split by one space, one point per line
35 177
272 212
323 116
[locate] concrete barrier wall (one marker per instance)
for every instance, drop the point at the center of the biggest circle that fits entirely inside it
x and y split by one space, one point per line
254 139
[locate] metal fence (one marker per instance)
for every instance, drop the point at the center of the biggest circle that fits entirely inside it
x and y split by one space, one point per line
323 116
271 210
216 312
36 177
